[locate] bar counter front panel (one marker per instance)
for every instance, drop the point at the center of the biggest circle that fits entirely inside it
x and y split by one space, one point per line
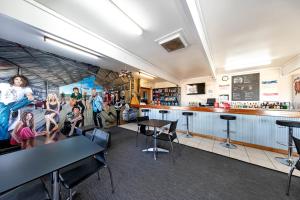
253 127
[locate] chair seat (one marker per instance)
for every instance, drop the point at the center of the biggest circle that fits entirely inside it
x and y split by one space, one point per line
187 113
288 123
75 174
164 137
228 117
34 190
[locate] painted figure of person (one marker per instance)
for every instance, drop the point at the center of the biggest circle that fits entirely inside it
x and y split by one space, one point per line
52 111
24 131
118 105
14 95
96 102
297 93
76 97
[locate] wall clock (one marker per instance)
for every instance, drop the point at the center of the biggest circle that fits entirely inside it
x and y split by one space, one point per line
225 78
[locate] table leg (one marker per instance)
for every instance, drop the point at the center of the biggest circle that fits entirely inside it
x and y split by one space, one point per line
55 185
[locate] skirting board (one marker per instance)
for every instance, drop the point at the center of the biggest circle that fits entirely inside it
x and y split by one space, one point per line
281 151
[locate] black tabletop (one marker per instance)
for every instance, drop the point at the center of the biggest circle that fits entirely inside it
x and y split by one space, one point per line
155 123
23 166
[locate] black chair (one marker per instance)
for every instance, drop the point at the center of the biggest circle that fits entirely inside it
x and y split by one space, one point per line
187 114
228 144
142 130
145 112
170 136
75 174
296 165
290 124
34 190
163 113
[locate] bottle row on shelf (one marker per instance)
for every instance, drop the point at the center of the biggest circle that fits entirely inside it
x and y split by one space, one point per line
261 105
255 105
166 103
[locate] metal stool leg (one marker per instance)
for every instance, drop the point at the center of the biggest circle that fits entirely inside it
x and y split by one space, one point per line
228 144
289 160
188 135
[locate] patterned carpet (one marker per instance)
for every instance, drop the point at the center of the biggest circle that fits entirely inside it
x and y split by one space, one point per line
194 175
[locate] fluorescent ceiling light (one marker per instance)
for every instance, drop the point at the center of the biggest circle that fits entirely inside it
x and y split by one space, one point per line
72 47
147 75
248 61
113 14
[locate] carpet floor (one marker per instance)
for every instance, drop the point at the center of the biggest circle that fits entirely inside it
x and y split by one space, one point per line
192 175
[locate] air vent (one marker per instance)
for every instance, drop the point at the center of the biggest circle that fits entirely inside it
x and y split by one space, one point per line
172 41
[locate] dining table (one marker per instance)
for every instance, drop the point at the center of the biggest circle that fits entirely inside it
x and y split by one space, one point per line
155 123
23 166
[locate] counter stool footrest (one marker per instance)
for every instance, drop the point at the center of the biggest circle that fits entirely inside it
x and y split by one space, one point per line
285 161
228 145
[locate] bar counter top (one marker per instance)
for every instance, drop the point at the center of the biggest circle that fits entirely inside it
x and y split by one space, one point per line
243 111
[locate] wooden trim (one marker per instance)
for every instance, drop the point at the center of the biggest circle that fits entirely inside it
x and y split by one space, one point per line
256 146
248 111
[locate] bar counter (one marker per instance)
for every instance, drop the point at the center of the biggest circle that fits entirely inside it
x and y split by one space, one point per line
252 127
243 111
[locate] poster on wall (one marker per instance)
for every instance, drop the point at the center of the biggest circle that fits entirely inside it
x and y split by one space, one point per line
269 90
296 92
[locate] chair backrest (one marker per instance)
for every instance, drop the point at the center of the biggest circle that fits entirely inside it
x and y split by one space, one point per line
142 128
297 144
101 138
172 129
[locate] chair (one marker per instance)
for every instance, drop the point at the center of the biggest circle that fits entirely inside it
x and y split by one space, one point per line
290 124
187 114
296 164
142 130
75 174
34 190
163 113
228 144
145 112
170 136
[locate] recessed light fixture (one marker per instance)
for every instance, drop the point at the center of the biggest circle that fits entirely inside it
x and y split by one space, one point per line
71 47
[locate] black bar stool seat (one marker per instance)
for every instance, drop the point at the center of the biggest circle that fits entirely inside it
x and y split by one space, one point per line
290 124
228 144
163 113
228 117
187 114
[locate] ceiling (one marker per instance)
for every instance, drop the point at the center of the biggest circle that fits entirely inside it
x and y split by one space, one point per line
236 32
157 18
250 28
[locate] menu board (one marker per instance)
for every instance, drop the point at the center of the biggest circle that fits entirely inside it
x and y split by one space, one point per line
245 87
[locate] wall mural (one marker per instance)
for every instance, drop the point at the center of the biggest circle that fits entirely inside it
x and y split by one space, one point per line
47 96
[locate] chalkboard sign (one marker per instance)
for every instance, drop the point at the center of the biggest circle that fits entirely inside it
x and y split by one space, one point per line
245 87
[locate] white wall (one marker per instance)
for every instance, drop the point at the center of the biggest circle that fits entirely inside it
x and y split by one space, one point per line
216 87
163 84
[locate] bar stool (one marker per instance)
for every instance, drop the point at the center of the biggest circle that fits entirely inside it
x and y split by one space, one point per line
163 113
145 112
227 144
290 124
187 114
